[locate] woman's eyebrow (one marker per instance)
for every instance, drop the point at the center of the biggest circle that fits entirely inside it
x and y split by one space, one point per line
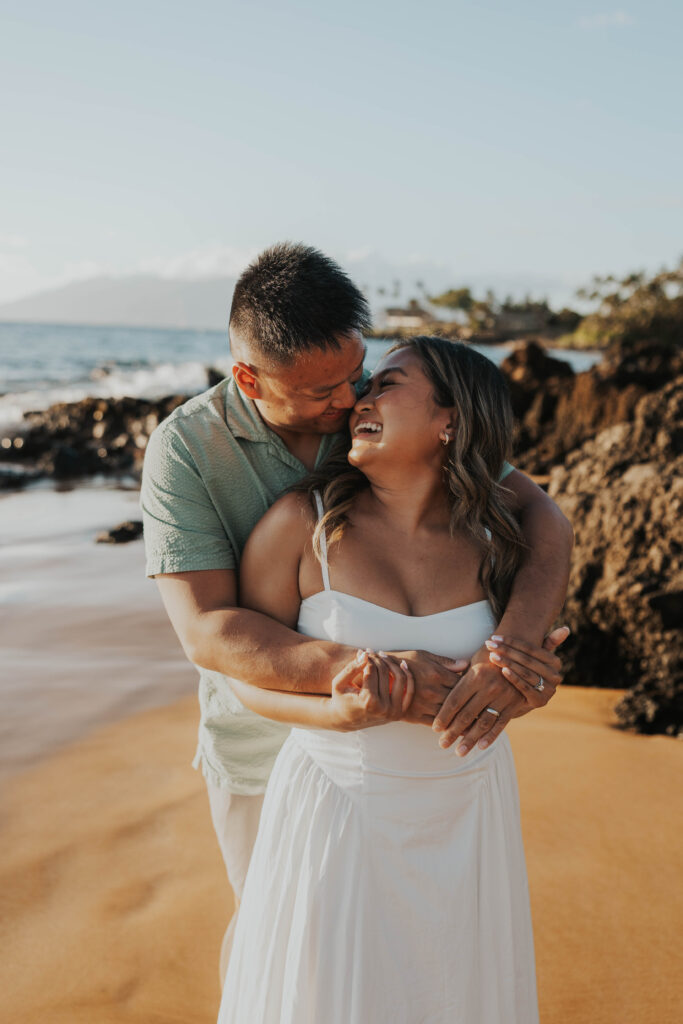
390 369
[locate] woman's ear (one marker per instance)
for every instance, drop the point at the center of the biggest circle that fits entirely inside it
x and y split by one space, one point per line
246 379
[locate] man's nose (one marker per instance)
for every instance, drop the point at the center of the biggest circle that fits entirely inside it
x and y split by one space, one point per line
345 398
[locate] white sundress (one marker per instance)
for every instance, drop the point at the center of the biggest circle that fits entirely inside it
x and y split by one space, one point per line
387 883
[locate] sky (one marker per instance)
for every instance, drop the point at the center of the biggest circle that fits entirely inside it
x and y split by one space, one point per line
454 143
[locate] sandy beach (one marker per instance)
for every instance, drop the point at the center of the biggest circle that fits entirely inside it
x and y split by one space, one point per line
114 897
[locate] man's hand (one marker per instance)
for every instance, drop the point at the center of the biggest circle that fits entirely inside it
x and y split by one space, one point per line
464 713
434 679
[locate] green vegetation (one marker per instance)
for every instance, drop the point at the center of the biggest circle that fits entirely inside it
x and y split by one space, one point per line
631 310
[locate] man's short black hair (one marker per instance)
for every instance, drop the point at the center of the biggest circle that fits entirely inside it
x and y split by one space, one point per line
292 299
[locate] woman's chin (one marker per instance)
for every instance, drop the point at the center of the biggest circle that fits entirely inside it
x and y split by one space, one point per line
361 452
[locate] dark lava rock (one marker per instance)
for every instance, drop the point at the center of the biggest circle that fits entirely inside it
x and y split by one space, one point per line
121 534
623 492
79 439
556 412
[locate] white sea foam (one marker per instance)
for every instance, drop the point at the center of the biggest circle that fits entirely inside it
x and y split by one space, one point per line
150 382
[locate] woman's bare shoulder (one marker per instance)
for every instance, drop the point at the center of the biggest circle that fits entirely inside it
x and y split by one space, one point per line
289 520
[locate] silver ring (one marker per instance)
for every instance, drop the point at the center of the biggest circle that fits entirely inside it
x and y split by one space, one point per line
540 685
492 711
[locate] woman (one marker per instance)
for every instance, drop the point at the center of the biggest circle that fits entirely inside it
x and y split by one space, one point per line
388 882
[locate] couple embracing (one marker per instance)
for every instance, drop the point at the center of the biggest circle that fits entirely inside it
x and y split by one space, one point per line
365 585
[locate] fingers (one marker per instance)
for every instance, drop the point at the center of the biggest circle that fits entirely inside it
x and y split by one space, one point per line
556 638
488 727
529 663
350 676
409 689
370 682
401 684
528 688
484 687
452 664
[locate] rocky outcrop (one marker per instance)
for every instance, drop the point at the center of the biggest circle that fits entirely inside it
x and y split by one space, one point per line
623 492
121 534
556 410
80 439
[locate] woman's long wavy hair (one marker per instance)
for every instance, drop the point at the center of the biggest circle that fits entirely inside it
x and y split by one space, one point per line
468 382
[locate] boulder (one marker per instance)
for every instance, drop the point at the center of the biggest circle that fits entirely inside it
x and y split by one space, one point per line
121 534
623 493
556 412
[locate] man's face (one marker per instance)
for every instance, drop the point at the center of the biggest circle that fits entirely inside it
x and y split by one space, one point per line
315 393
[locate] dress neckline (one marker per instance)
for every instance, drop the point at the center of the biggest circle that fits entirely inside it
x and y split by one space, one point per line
392 611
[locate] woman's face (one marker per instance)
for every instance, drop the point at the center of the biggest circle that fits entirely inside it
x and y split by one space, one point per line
397 418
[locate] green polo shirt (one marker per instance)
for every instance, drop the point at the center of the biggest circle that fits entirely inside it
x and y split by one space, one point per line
212 470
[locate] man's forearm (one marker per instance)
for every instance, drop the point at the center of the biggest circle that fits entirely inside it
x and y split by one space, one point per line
250 646
540 586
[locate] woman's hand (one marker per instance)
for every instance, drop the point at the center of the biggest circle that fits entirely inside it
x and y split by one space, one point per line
529 668
373 689
464 716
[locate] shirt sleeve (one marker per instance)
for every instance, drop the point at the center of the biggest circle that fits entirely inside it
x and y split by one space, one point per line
182 529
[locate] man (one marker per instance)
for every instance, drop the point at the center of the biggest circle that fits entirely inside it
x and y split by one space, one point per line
215 466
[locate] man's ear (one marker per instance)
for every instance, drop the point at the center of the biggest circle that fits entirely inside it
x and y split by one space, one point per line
246 378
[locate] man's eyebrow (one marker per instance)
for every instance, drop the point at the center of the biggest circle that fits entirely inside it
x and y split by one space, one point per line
331 387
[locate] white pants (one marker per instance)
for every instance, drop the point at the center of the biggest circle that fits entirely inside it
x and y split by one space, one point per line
235 819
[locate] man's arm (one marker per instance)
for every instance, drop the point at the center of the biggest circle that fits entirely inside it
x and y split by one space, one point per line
217 635
537 596
540 585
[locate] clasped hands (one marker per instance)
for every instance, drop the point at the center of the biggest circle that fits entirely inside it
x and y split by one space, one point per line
449 695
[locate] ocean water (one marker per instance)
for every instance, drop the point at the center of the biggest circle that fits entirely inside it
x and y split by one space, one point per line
45 363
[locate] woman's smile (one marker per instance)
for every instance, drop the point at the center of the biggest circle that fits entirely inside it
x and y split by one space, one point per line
367 430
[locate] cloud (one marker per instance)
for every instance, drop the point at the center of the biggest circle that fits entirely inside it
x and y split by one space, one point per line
615 19
213 260
13 242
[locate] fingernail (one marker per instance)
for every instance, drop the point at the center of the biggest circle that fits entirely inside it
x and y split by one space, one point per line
495 657
483 744
382 654
494 637
506 671
404 665
490 644
462 750
437 727
360 655
443 742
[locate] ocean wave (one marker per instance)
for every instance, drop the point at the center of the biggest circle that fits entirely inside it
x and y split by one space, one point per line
110 381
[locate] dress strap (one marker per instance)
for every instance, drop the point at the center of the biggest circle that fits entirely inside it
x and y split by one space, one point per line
323 542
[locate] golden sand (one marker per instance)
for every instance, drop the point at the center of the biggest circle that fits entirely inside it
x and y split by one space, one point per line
115 898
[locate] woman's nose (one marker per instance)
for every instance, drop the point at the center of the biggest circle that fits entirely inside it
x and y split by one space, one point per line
363 403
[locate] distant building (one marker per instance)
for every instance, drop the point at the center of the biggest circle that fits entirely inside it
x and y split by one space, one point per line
412 316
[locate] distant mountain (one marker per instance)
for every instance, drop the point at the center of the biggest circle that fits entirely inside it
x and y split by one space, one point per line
140 300
145 300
